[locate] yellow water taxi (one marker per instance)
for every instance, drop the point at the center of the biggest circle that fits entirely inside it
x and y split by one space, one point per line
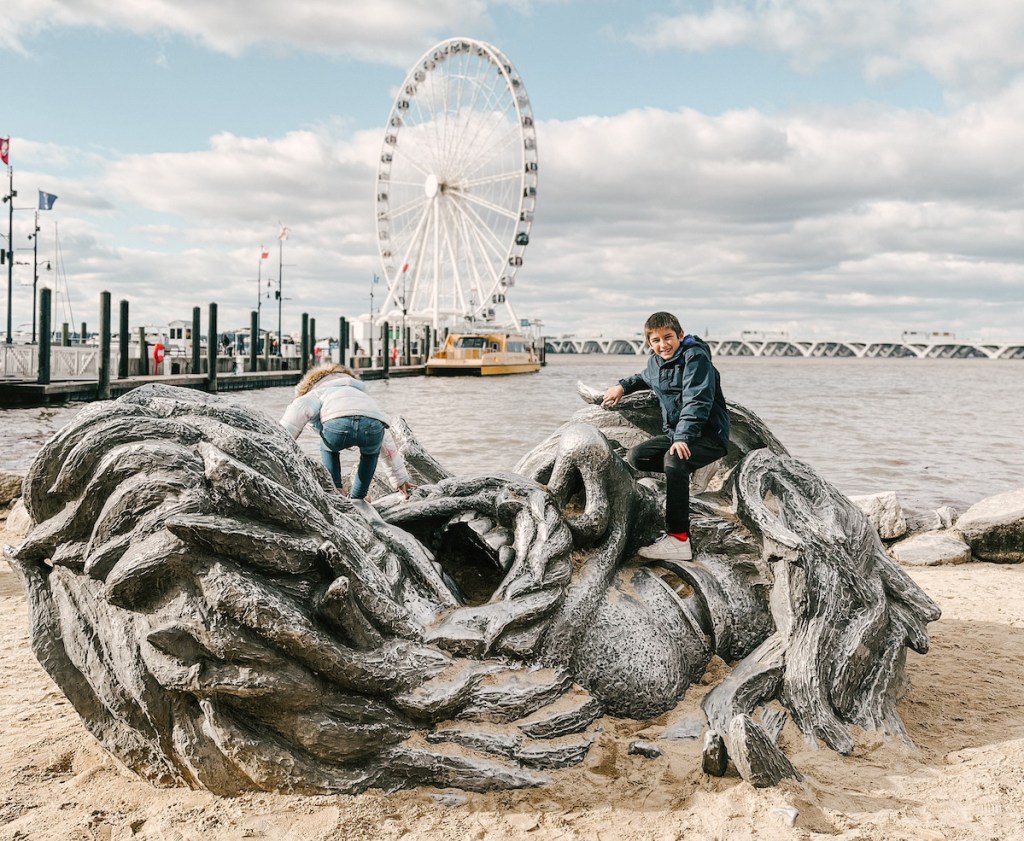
483 355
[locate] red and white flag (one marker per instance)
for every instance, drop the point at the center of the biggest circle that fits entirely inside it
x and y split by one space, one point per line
5 148
264 254
284 232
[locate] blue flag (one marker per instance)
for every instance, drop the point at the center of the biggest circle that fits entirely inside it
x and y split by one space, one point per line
46 200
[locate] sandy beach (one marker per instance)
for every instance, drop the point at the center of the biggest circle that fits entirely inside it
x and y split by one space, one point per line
963 779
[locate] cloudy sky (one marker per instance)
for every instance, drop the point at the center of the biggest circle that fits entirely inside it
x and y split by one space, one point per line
846 168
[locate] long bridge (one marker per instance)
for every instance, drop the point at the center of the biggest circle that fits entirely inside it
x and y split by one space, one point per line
929 347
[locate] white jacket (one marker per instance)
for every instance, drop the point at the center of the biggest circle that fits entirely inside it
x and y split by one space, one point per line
340 396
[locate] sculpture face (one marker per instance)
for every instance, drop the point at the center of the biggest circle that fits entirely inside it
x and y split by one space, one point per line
221 618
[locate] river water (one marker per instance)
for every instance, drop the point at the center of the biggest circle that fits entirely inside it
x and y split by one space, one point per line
938 432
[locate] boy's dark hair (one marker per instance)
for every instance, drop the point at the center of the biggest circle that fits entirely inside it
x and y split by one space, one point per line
659 320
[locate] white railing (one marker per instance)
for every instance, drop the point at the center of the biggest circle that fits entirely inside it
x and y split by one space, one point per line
20 361
75 363
66 363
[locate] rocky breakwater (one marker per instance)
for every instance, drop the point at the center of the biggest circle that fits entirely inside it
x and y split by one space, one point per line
990 530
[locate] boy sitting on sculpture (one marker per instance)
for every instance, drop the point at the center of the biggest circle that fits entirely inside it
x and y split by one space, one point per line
695 419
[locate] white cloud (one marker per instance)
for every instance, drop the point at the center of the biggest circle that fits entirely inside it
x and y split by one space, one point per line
966 46
378 30
863 222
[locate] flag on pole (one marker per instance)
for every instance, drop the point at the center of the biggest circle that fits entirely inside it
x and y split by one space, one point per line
284 232
5 148
376 280
405 268
264 254
46 200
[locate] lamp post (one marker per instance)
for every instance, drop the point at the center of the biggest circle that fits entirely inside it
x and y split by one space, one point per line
34 236
9 198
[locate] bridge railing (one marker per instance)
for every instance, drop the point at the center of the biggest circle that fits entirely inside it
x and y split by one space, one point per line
821 348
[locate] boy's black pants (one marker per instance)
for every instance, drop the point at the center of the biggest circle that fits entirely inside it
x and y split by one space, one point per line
653 456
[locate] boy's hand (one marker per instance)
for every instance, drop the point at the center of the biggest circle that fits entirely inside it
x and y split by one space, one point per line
680 449
612 397
405 489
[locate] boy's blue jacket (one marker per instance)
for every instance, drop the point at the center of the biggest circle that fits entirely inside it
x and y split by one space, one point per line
689 390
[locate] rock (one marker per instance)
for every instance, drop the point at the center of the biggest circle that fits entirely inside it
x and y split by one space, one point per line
940 518
884 512
787 814
10 485
646 749
994 528
715 760
19 523
932 548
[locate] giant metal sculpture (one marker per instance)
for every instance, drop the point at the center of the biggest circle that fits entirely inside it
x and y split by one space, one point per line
221 618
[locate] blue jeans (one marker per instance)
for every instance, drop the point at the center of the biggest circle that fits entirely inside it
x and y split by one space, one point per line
354 431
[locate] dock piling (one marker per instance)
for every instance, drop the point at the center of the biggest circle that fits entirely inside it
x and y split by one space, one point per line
122 343
304 346
143 353
254 339
211 349
103 385
197 363
44 336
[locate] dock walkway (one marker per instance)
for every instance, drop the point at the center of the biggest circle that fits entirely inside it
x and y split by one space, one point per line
23 393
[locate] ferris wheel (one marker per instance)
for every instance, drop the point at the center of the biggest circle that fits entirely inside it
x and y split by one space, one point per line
456 186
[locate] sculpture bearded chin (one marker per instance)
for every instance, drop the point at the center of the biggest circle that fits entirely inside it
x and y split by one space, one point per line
220 618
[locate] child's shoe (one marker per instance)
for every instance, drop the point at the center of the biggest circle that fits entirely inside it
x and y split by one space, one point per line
667 548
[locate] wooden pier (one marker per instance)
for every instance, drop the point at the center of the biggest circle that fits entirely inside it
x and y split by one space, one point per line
26 393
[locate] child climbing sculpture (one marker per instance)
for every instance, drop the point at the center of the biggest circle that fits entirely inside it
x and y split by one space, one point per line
334 401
